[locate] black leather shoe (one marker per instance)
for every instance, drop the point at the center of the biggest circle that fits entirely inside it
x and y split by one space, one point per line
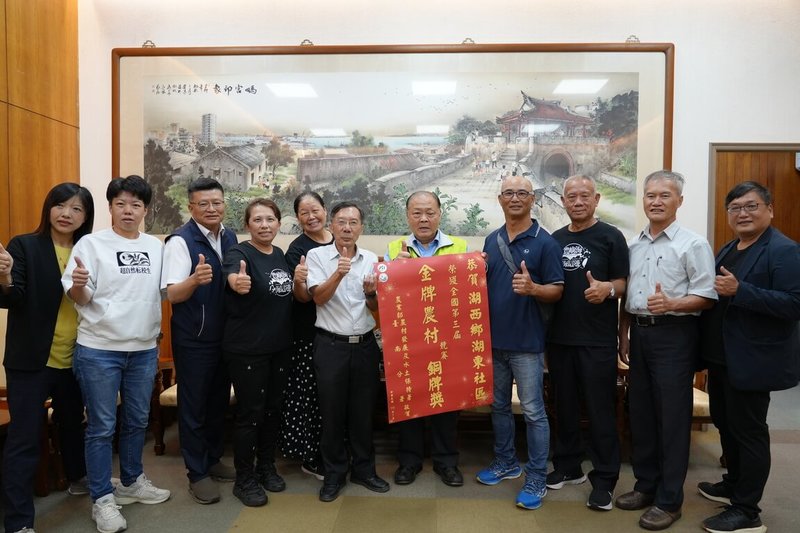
330 491
405 475
451 475
374 483
634 500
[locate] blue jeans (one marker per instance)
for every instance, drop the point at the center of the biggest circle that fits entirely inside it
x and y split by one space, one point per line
102 374
527 370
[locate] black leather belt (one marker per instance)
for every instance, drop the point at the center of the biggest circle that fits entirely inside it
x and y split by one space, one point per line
350 339
660 320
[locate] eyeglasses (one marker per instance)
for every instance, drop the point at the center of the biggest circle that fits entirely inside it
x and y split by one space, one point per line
352 224
522 195
217 204
736 209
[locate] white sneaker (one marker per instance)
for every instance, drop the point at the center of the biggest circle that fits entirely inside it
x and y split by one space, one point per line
142 491
105 512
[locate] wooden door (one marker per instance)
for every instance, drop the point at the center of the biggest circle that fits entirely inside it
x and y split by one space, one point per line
770 165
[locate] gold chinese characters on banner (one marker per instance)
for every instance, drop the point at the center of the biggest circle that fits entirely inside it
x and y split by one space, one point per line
436 340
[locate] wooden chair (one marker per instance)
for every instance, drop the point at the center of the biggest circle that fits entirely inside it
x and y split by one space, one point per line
164 404
164 401
50 458
701 412
162 414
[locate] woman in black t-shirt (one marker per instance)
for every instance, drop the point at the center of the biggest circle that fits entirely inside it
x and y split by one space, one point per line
301 425
257 349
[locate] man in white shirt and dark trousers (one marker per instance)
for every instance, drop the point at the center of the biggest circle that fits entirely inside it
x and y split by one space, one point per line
671 280
346 354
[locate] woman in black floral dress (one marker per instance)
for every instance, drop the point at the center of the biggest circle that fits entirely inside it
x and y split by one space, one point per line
301 427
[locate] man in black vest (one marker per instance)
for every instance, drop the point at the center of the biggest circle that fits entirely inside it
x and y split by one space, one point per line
192 275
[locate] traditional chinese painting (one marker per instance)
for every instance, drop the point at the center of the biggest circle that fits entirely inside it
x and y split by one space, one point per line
437 349
372 124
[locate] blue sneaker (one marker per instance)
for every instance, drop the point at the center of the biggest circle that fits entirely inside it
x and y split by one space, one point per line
530 497
497 472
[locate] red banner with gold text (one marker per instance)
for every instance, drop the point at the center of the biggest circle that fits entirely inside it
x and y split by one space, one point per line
437 349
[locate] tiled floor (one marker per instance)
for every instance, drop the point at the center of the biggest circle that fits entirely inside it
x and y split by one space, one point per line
430 506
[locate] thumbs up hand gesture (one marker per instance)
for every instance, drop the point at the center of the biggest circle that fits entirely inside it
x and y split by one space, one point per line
522 282
598 291
6 262
301 271
80 274
404 254
241 281
658 303
203 273
726 283
344 262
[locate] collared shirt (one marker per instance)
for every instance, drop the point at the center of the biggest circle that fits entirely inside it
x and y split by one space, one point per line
177 263
346 313
439 241
677 258
516 321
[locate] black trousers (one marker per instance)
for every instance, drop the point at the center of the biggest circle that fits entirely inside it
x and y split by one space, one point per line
258 382
592 371
411 444
741 418
27 392
660 395
347 380
203 398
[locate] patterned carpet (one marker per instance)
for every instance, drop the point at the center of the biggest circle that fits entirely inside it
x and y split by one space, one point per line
428 506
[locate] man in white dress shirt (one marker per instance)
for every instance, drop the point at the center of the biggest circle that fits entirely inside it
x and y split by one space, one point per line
346 355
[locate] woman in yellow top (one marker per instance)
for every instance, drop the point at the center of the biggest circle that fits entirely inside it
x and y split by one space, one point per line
40 338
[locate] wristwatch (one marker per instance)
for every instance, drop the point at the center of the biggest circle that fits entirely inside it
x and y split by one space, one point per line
613 293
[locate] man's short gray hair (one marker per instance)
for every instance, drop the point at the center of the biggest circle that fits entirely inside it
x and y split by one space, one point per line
581 177
668 175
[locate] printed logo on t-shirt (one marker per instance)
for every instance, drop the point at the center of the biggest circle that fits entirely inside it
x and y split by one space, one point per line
575 256
280 283
133 262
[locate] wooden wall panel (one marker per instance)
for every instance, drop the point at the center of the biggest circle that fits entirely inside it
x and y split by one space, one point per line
3 80
5 215
773 168
42 152
42 55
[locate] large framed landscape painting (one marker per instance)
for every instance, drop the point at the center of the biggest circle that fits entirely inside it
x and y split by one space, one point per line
373 123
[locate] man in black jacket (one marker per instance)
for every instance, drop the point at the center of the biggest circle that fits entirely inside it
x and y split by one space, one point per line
752 347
